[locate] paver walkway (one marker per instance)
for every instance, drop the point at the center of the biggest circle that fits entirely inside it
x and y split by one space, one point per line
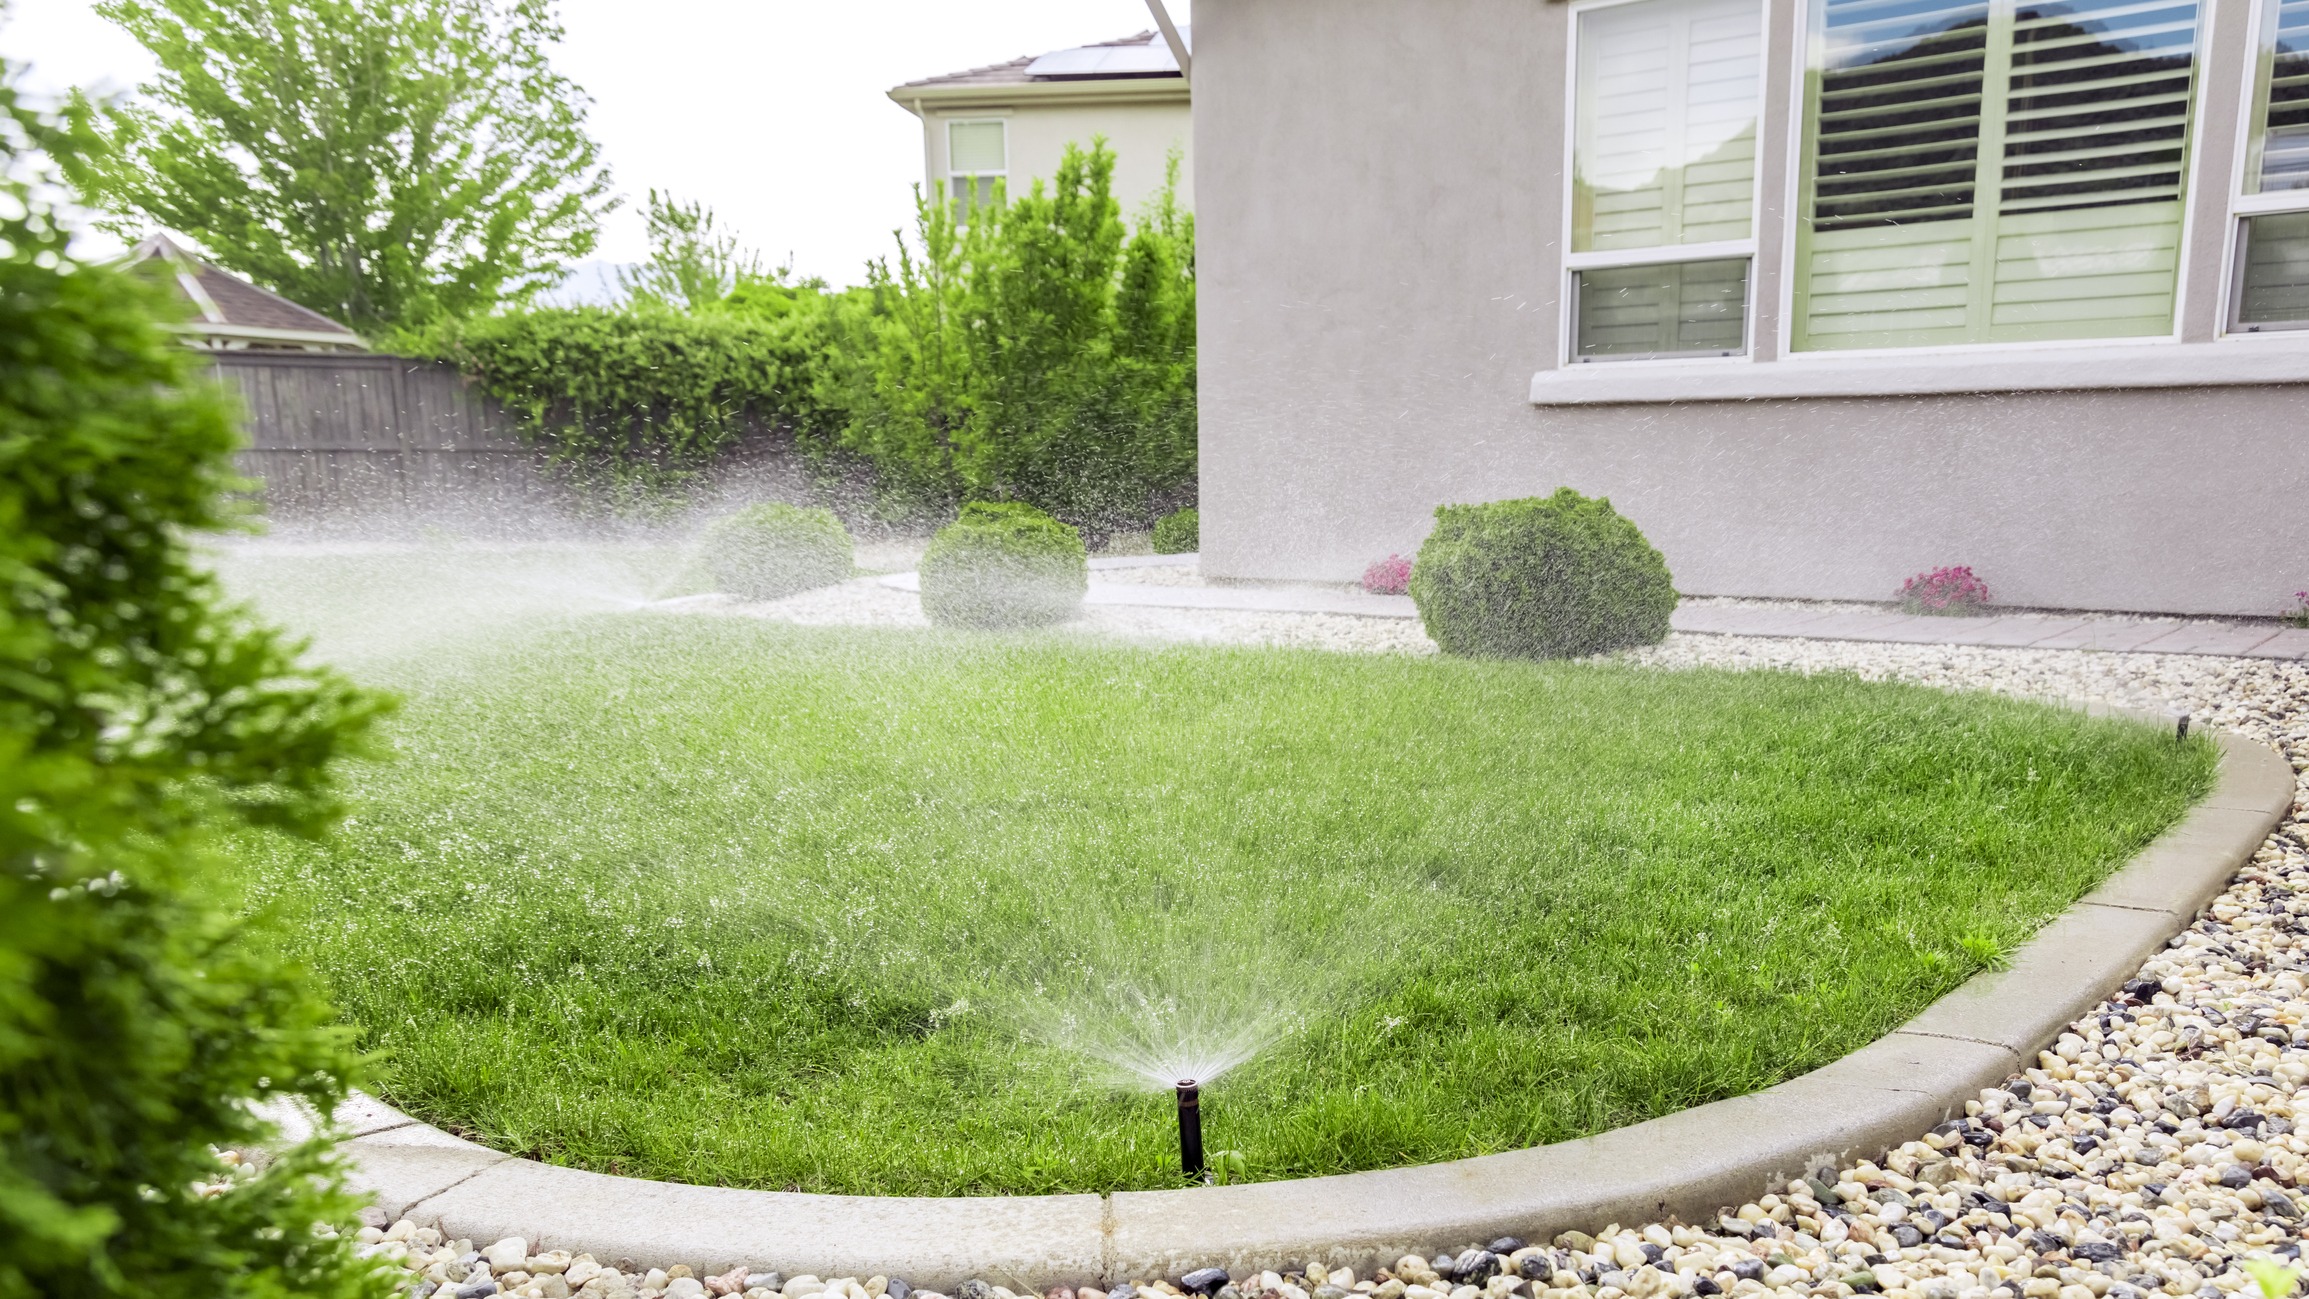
2112 632
2018 630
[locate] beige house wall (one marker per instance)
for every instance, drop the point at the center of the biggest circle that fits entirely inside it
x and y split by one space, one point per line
1142 135
1380 191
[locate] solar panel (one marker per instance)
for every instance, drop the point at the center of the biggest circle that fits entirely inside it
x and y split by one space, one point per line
1152 59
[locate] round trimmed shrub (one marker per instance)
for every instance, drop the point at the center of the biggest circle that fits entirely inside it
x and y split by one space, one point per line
1546 577
769 551
1179 532
1003 564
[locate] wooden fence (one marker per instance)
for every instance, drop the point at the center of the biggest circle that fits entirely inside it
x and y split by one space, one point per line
351 434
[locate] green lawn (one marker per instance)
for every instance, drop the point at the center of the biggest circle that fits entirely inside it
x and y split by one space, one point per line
720 901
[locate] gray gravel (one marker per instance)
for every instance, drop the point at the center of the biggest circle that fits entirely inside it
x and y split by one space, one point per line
2152 1149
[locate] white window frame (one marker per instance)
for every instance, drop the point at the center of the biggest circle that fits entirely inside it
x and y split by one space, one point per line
2242 204
952 174
1567 293
2271 356
1800 84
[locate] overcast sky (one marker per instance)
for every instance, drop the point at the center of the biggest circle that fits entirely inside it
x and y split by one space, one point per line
771 111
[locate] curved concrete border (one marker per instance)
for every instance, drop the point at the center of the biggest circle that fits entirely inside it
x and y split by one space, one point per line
1689 1164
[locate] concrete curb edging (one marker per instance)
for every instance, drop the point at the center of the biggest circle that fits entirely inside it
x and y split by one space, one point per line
1687 1164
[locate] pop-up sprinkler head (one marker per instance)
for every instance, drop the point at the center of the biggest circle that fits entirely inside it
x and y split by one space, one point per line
1191 1129
2181 727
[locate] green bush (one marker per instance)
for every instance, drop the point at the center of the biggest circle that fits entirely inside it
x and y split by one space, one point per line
1003 564
633 404
1041 351
1179 532
768 551
1554 577
141 717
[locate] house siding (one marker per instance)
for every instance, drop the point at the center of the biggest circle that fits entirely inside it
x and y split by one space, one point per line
1380 189
1141 135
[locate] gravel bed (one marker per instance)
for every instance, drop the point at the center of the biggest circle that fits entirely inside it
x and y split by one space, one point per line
2153 1148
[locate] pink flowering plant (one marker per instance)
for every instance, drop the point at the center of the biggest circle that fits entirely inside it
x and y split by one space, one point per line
2298 615
1390 576
1944 591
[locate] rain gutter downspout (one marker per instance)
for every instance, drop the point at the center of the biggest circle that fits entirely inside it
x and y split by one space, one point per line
1162 17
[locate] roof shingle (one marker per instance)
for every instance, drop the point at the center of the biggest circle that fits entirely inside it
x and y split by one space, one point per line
1013 72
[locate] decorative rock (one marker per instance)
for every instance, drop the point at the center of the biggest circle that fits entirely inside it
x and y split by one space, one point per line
1204 1280
1475 1267
685 1287
507 1255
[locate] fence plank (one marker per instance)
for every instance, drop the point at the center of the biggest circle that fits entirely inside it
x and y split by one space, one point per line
337 433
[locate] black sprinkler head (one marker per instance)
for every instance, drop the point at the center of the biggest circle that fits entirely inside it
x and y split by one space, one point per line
1191 1129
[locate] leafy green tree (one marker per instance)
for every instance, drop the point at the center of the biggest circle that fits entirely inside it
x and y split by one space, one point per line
141 717
1038 352
384 162
692 264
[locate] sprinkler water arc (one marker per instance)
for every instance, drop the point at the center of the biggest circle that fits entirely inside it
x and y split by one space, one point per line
1191 1129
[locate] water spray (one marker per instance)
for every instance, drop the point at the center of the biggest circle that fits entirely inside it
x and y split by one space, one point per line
1191 1129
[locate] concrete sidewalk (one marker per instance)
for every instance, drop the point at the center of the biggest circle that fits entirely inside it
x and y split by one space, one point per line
2019 630
2111 632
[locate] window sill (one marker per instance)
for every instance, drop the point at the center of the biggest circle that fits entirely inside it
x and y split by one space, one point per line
2259 359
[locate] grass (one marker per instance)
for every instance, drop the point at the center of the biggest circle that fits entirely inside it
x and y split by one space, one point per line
727 902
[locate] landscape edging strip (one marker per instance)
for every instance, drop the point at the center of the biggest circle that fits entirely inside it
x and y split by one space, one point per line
1688 1164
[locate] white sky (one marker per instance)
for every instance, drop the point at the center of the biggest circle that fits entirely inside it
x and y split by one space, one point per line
770 111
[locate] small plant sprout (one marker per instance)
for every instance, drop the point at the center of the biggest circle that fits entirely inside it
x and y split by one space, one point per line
1983 949
1228 1167
2273 1279
2298 615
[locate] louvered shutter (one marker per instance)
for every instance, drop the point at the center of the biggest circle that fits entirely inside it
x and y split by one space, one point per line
2272 289
1665 152
1994 172
2280 150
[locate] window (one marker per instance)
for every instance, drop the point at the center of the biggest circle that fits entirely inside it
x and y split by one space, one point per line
1663 193
977 156
2271 288
1993 170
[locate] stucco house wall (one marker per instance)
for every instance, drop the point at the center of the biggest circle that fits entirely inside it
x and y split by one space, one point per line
1381 204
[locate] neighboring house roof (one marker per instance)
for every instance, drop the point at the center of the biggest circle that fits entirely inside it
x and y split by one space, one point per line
231 314
1106 70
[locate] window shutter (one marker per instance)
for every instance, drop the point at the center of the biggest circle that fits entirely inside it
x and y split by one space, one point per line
2072 120
1666 148
1894 164
2280 157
